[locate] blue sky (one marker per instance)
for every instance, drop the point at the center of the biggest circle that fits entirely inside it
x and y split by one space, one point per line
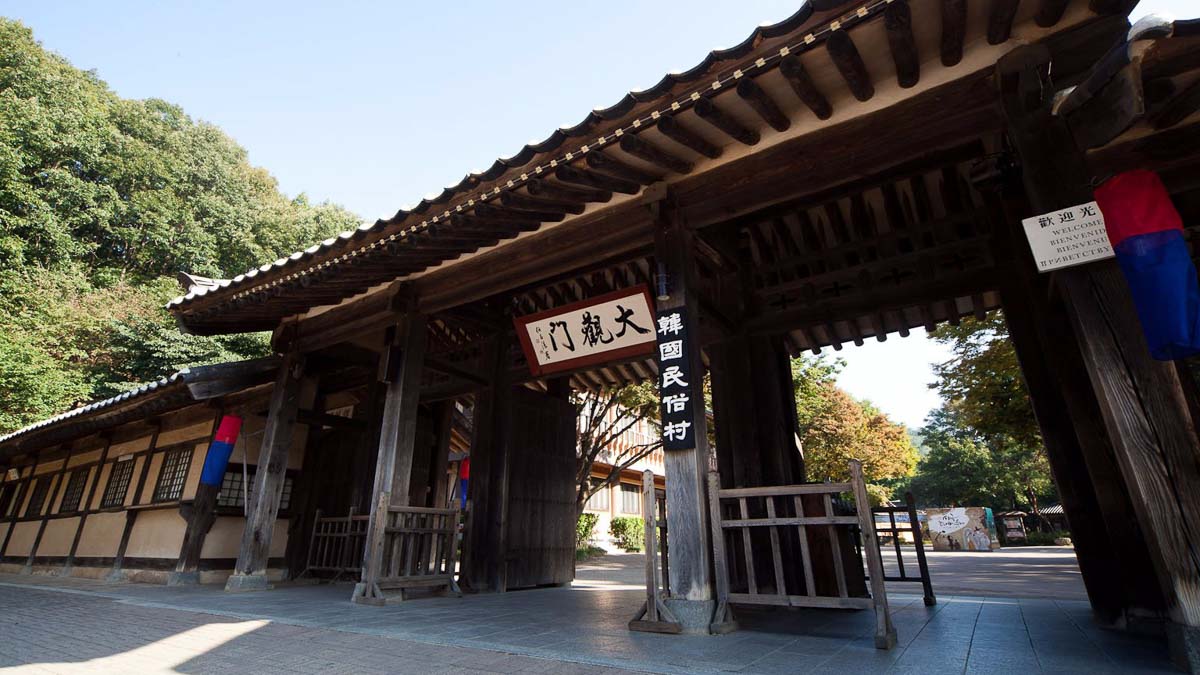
373 105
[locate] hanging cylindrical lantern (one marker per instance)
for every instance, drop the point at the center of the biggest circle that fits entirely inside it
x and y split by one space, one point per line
1146 233
219 450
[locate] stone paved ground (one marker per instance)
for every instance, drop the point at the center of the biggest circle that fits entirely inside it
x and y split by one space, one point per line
66 625
1028 571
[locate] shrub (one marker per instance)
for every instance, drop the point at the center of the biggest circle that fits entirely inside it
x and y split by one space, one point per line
585 528
629 533
1044 538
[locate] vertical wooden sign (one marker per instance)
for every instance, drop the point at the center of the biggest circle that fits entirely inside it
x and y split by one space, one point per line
675 376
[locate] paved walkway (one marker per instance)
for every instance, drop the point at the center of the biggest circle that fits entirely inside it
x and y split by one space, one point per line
68 625
1030 572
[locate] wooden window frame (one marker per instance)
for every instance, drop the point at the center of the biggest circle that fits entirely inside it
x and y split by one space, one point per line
37 495
607 496
76 485
232 480
627 488
110 499
173 474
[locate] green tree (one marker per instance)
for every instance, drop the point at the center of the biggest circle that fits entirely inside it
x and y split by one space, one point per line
835 428
984 443
102 201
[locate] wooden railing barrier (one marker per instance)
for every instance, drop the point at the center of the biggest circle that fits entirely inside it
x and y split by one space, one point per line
743 523
419 549
654 616
914 526
337 544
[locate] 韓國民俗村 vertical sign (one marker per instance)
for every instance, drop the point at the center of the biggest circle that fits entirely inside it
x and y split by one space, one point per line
675 379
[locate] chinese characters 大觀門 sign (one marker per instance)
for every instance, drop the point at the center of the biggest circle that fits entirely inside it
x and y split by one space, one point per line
613 326
1068 237
675 377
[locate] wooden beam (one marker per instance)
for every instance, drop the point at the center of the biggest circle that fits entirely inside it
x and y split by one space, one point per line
596 181
849 63
502 215
1000 20
541 188
954 31
607 164
762 103
897 21
1050 12
671 128
250 572
200 516
724 122
797 76
1179 108
401 370
648 152
523 202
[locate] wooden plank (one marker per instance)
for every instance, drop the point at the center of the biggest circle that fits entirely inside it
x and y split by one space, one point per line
776 522
776 554
651 544
885 633
801 601
786 490
839 569
810 585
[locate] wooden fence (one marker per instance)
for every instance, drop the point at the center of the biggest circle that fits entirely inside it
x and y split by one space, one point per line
337 544
742 517
655 616
914 527
420 549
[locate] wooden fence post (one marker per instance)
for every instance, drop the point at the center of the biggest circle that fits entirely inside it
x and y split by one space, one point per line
885 632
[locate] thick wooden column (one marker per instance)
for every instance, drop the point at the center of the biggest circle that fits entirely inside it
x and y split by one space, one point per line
401 370
439 489
1112 552
1141 401
484 545
686 470
250 573
200 516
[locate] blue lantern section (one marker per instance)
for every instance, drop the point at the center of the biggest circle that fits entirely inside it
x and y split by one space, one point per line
1147 237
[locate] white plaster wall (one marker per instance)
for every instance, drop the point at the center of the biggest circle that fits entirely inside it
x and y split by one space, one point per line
157 534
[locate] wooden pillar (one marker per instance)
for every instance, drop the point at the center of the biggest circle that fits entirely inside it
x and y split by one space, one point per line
687 517
200 516
250 572
1141 401
87 503
22 492
485 544
117 572
401 370
439 499
1112 552
47 507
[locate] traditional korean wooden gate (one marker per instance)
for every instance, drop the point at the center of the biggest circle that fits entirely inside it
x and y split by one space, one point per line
729 519
540 523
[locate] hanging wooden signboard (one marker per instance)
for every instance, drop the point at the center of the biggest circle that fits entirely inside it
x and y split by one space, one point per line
1071 236
606 328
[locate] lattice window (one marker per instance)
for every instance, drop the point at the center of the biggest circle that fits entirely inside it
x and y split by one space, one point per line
41 487
173 475
233 495
631 498
74 492
118 484
601 500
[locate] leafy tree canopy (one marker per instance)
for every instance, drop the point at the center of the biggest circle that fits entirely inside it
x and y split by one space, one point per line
102 201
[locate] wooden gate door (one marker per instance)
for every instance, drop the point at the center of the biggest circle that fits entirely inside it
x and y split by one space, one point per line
540 523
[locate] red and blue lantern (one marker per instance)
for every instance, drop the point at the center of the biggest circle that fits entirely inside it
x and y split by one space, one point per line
1146 233
219 450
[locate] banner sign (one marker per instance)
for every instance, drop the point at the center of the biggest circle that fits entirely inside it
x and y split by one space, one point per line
675 377
597 330
1072 236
